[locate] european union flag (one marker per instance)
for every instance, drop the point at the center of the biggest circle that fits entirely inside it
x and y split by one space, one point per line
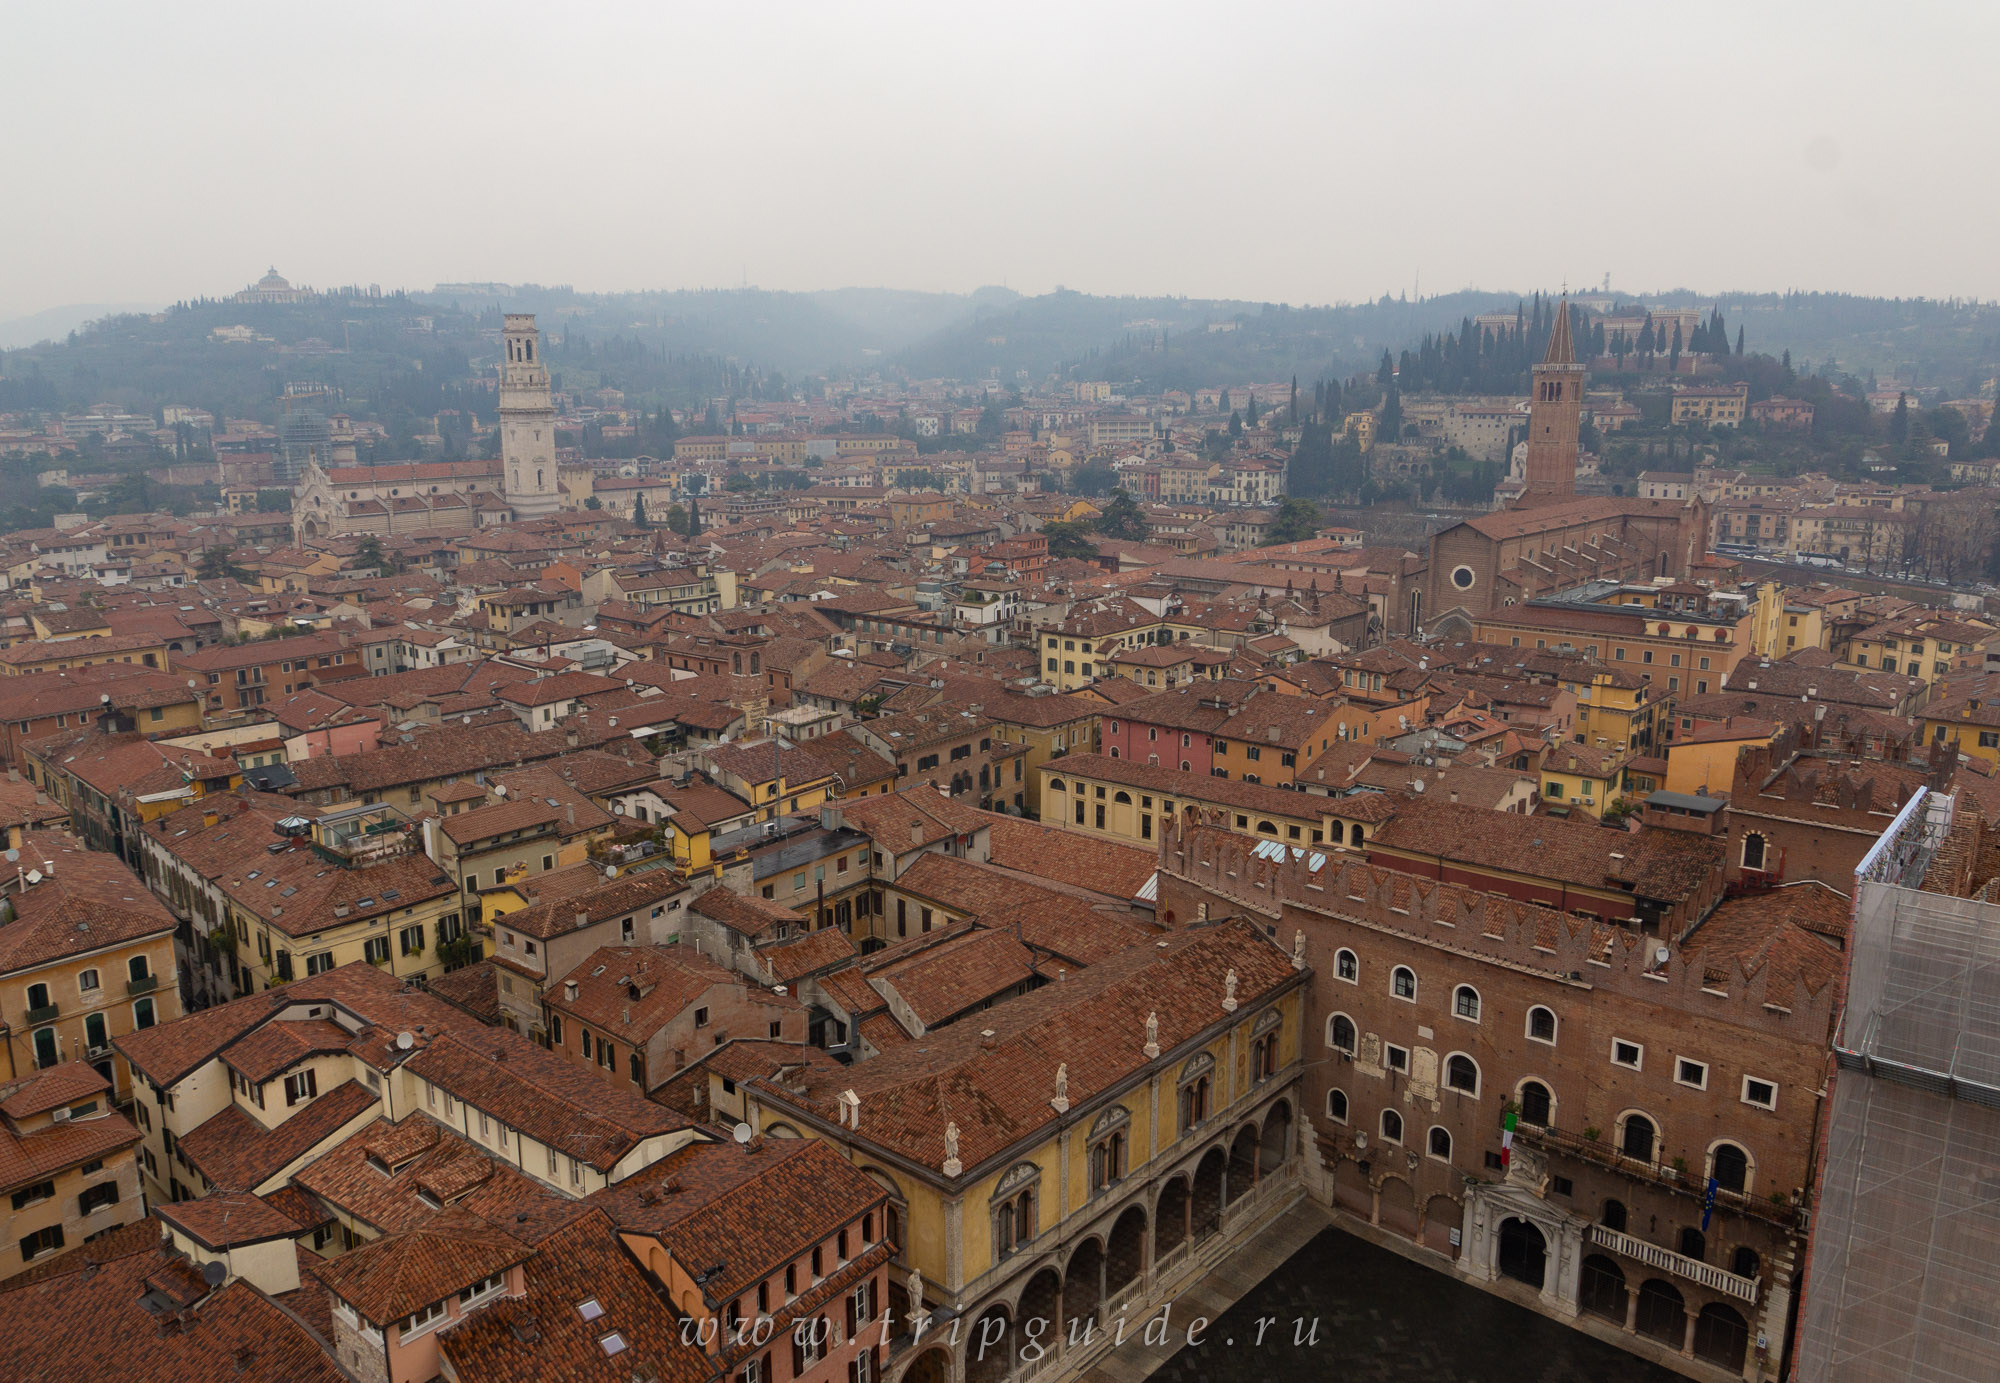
1707 1205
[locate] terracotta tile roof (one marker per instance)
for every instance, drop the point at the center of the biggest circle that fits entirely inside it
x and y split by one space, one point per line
556 1102
634 991
785 962
751 1208
90 902
754 917
111 1329
632 893
1117 871
474 988
543 1336
167 1052
1050 919
1798 928
236 1153
959 973
909 820
224 1219
40 1091
277 1047
392 1277
26 1158
1094 1022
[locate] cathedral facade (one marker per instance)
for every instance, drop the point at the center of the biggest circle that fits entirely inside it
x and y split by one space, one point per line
521 484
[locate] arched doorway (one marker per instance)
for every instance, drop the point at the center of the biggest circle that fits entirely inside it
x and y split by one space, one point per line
932 1366
1600 1288
1242 1165
1040 1309
1083 1288
1662 1316
1524 1253
1126 1257
1442 1215
1171 1217
1276 1141
1398 1207
1208 1194
1351 1191
1721 1336
989 1352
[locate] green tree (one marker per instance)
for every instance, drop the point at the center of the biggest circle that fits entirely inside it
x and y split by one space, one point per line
368 553
639 511
214 564
593 502
1122 518
677 519
1250 413
1899 421
1069 540
694 517
1236 423
1095 478
1297 520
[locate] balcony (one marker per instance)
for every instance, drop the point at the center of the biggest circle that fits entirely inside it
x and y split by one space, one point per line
1689 1183
1680 1265
46 1013
145 984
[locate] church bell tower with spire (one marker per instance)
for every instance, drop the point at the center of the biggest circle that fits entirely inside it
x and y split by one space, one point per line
1555 418
527 422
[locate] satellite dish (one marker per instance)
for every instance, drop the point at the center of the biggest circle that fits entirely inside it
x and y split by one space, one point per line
13 855
744 1133
213 1273
499 790
1661 955
34 876
610 871
405 1041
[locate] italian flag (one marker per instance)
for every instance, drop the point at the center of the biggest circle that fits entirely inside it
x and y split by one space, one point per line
1507 1123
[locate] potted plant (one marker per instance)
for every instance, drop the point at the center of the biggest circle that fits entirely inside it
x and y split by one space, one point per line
1592 1133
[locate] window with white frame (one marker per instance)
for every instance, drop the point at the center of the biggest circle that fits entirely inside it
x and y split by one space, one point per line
1395 1058
1761 1093
1461 1073
1465 1003
1630 1055
1347 966
1542 1024
1691 1073
1403 983
1340 1033
423 1318
1392 1126
1439 1143
1336 1106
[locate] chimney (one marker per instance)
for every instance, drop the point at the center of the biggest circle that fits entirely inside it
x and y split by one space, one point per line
582 920
916 832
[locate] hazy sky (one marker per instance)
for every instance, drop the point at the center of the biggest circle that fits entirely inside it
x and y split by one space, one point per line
1303 153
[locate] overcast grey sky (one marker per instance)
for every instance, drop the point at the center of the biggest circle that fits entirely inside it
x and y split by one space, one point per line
1304 153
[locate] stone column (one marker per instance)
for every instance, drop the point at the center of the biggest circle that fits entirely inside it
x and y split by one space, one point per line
1631 1310
1687 1345
1561 1282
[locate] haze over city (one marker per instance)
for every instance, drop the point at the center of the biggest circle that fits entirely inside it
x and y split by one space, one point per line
1014 694
1291 153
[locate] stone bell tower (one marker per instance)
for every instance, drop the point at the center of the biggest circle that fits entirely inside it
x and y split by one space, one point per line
527 422
1555 420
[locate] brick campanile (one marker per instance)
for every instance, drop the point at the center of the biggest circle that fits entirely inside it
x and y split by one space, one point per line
1555 416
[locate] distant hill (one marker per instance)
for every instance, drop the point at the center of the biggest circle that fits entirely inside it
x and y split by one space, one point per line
55 323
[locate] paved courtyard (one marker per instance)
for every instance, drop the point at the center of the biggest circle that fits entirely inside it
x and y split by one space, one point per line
1385 1319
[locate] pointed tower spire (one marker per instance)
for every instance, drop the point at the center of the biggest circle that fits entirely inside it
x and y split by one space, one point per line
1561 351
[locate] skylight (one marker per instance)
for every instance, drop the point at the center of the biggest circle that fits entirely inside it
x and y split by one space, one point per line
614 1343
589 1309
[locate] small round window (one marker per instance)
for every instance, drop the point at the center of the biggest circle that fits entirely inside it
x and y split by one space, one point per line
1462 578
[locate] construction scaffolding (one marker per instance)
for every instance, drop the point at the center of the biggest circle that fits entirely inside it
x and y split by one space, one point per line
1903 1282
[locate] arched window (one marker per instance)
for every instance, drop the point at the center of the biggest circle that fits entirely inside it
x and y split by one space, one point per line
1340 1033
1465 1003
1347 966
1124 797
1614 1215
1392 1126
1440 1143
1056 785
1638 1137
1536 1104
1403 982
1267 828
1354 836
1694 1244
1745 1263
1461 1073
135 969
1541 1024
1753 851
1336 1106
1730 1166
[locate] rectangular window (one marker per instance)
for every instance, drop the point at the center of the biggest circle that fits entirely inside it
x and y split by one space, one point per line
1627 1054
1396 1058
1691 1073
301 1087
1761 1093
